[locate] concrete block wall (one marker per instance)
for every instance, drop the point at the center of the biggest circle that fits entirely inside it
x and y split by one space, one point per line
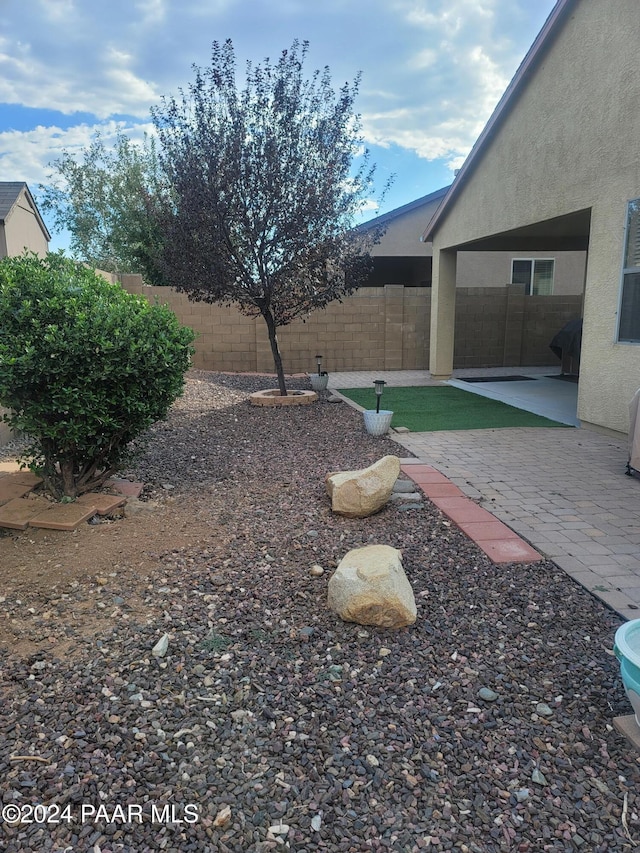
540 318
5 433
480 327
377 328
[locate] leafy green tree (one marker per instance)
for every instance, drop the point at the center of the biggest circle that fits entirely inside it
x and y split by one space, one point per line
107 199
264 189
85 367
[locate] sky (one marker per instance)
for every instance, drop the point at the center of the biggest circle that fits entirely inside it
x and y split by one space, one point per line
432 72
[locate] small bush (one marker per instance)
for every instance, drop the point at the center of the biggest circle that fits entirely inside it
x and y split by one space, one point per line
85 367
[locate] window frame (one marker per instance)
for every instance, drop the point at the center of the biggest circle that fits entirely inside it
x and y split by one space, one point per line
627 271
533 262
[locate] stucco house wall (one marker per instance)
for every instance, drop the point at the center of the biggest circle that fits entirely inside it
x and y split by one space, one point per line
493 269
21 226
568 141
404 227
410 258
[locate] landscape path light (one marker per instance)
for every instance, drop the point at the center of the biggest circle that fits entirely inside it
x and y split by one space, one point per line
319 360
379 386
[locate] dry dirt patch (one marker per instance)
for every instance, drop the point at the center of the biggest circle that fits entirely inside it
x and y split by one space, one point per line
60 589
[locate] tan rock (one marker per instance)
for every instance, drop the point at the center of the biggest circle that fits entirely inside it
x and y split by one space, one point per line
357 494
370 587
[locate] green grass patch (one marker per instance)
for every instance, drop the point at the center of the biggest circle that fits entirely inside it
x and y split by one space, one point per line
443 407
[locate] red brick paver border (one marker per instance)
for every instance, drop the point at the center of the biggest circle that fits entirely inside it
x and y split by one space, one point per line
499 542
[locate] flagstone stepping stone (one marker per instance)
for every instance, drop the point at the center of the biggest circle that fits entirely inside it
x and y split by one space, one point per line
63 516
17 514
104 504
10 489
125 487
16 475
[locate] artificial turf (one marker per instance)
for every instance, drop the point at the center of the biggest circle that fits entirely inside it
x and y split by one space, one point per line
444 407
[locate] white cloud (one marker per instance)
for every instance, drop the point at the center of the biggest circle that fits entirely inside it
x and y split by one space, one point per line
432 69
26 156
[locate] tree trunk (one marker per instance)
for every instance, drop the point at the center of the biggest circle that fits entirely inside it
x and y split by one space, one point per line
68 480
275 350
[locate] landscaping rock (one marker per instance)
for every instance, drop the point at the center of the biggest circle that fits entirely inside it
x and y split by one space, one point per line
358 494
401 497
404 486
370 587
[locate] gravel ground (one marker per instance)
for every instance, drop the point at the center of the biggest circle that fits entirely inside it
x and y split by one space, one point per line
270 724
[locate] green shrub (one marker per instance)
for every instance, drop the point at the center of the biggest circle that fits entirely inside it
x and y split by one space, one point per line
85 367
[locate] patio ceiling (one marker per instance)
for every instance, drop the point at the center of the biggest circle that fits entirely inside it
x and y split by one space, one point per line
569 232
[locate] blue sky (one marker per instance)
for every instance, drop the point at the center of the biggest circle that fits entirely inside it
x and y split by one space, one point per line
432 71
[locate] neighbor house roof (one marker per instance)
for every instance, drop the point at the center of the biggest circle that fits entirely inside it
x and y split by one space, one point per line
527 67
9 194
437 195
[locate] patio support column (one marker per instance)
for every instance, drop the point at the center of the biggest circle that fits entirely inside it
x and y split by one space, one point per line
443 310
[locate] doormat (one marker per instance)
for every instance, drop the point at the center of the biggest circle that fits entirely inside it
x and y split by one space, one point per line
496 378
566 377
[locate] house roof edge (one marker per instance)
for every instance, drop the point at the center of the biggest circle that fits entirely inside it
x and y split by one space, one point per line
19 186
541 43
436 195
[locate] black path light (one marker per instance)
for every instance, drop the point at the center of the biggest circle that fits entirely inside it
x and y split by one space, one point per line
319 360
379 386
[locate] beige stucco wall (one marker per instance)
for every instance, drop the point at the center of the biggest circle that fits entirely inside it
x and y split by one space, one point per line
572 142
475 269
22 230
402 237
482 269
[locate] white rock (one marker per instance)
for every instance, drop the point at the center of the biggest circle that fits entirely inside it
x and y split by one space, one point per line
223 817
369 587
160 648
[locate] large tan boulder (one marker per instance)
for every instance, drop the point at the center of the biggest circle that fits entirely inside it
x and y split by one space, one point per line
357 494
370 587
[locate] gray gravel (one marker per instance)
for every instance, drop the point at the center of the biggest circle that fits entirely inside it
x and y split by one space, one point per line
484 727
